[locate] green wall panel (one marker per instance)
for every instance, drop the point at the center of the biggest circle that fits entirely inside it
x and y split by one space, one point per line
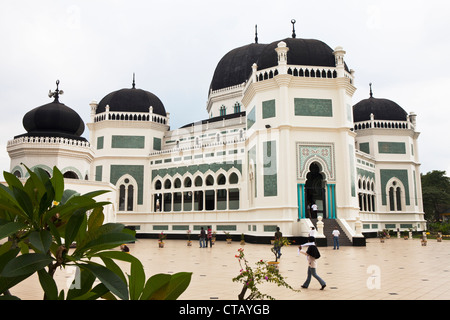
270 168
364 147
156 143
136 171
268 109
386 175
313 107
128 142
392 147
100 141
251 118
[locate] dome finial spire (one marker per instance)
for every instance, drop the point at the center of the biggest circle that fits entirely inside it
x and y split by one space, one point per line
55 94
134 83
293 28
370 85
256 33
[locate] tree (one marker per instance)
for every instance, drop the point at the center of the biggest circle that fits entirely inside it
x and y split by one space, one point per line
435 193
42 222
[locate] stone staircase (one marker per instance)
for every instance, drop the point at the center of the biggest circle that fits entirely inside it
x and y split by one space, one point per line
328 227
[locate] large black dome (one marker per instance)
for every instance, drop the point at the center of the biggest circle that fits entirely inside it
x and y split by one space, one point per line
382 109
305 52
54 119
131 100
236 66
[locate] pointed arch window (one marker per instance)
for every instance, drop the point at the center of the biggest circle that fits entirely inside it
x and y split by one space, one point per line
223 111
126 195
237 107
395 196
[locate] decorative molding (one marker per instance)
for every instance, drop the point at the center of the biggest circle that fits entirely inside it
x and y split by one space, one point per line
322 153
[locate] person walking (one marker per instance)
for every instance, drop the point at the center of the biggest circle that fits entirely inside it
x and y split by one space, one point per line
277 243
202 238
209 237
336 235
312 254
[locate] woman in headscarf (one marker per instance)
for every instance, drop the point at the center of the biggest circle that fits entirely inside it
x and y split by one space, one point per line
311 255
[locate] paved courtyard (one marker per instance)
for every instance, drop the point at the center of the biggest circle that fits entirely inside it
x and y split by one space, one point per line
395 270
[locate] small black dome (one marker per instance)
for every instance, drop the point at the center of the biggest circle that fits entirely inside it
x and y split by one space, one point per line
382 109
131 100
54 119
236 66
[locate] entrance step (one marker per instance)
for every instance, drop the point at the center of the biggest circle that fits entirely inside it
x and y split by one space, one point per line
328 227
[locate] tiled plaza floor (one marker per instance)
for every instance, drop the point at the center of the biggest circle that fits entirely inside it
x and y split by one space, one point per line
395 270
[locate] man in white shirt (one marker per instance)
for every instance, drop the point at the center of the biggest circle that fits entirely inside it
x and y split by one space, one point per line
314 211
336 234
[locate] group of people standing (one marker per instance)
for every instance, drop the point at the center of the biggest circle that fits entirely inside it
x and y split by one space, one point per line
205 237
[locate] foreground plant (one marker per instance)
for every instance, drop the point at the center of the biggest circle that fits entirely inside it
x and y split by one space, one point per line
252 278
42 222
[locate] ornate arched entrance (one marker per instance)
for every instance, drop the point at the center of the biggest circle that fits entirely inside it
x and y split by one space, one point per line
316 191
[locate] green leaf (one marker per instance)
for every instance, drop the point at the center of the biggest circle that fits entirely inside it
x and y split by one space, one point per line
96 219
137 274
9 228
94 194
48 284
24 201
81 285
41 240
166 287
58 184
111 280
106 241
73 226
25 264
12 180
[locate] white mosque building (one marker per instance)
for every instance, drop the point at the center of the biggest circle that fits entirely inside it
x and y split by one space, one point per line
282 133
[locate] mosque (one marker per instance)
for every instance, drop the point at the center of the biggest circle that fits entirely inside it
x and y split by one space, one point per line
281 136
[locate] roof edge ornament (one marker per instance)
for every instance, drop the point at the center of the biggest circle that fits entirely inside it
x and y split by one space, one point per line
134 83
293 28
55 94
256 33
371 93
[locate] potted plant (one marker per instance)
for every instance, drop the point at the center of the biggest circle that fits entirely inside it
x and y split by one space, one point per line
242 239
439 237
189 242
251 278
424 239
161 239
406 235
382 236
214 233
228 237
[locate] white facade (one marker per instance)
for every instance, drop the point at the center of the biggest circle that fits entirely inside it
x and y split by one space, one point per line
274 144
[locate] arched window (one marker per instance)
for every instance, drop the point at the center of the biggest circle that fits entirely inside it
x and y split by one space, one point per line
222 111
187 182
70 175
237 107
221 179
209 180
126 195
198 181
233 179
395 195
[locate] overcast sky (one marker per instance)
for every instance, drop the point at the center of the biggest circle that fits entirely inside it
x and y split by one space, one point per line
94 47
